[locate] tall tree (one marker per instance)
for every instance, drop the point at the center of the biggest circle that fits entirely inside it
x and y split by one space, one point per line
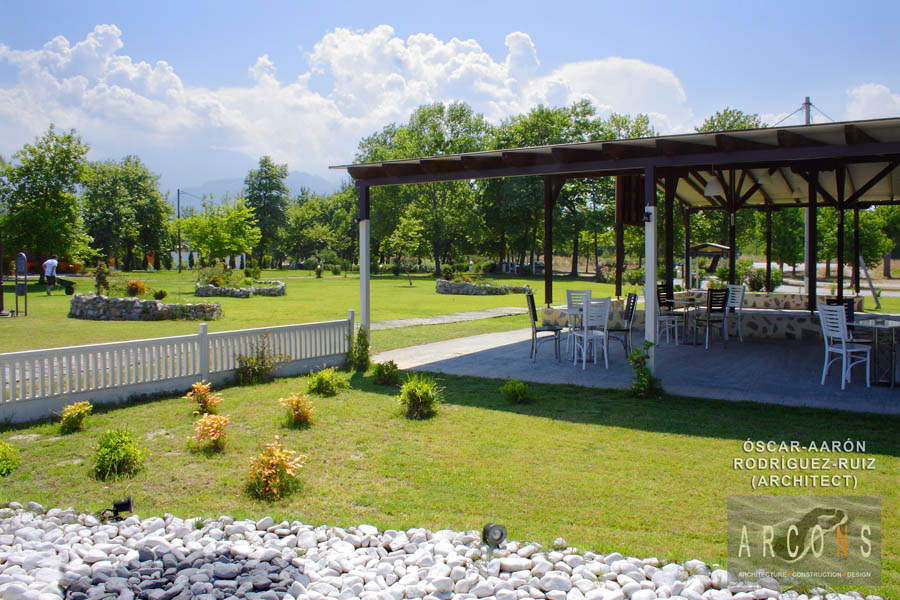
729 119
225 230
38 189
268 196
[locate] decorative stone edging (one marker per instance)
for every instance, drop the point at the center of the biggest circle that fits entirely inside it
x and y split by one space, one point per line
61 553
271 288
464 288
104 308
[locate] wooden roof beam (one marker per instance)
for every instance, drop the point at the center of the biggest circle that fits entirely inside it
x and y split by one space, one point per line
762 189
482 162
730 143
674 147
441 165
819 189
855 135
715 201
619 150
854 198
402 169
791 139
525 159
574 155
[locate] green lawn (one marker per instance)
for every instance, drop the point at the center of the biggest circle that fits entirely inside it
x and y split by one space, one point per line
308 299
603 470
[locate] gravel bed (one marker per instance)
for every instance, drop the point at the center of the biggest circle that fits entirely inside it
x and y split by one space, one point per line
53 554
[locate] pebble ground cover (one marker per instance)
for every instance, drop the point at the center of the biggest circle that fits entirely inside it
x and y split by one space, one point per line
606 472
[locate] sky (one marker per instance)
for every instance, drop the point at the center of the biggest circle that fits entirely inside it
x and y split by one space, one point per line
201 90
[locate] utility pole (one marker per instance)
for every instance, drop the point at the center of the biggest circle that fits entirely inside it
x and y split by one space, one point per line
178 217
3 312
808 212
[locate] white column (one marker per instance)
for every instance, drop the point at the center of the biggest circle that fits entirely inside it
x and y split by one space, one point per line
650 285
364 261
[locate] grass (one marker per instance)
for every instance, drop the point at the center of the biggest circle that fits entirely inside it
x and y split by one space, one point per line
603 470
308 299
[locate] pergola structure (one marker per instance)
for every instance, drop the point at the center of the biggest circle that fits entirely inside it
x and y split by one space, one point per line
848 166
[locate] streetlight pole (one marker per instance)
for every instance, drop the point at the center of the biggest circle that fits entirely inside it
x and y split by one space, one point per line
3 312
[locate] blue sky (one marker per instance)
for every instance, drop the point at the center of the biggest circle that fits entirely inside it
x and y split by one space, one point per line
200 90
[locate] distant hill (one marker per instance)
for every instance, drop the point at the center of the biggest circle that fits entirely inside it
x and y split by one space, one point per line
233 186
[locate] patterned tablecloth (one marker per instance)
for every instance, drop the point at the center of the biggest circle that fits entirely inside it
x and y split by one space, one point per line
557 315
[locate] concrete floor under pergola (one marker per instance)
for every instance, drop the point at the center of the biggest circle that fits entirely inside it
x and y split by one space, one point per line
848 166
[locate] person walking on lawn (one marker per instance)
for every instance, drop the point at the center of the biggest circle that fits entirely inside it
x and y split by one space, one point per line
50 272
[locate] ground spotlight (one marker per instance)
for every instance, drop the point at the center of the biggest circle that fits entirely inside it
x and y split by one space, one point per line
120 506
493 535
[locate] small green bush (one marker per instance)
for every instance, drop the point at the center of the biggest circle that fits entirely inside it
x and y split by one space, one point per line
327 382
252 270
73 416
395 269
101 278
634 277
515 391
447 272
257 366
643 383
358 353
9 459
160 294
420 397
387 373
116 455
335 269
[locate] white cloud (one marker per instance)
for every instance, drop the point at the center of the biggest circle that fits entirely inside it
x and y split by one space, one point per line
872 101
378 78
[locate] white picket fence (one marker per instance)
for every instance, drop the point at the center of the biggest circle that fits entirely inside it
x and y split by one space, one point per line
36 383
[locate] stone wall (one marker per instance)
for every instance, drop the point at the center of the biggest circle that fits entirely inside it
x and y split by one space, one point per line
465 288
772 300
262 288
103 308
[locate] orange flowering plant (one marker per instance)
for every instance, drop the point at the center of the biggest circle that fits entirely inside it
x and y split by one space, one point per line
299 409
206 402
274 472
209 431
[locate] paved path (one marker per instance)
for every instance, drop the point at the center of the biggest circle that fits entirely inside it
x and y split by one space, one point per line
770 371
459 317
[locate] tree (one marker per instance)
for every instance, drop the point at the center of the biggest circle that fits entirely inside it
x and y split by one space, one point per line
225 230
730 119
124 212
407 240
891 217
267 195
43 211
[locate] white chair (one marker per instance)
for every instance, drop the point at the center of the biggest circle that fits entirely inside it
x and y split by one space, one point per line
834 329
665 321
735 301
593 331
574 302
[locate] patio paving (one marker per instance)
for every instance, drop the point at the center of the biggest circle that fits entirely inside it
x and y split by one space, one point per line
772 371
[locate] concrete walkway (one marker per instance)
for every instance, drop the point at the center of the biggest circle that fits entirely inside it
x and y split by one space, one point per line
459 317
773 371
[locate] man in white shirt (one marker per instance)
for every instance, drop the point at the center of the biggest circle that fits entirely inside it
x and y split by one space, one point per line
50 272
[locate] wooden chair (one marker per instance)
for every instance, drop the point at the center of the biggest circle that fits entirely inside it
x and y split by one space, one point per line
713 313
625 330
734 307
834 329
593 331
536 329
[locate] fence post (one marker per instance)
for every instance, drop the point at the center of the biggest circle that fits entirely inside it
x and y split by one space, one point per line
351 323
203 352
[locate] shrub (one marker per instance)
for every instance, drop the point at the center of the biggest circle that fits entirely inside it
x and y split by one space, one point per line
160 294
299 409
643 384
326 382
206 402
515 391
101 278
457 280
274 472
420 397
634 277
467 279
73 416
335 270
9 459
358 352
447 272
209 431
216 280
136 287
257 366
116 455
252 269
756 280
395 269
387 373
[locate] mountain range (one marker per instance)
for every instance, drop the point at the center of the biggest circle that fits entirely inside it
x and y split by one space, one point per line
218 188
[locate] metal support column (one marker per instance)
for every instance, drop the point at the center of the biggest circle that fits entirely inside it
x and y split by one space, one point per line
769 250
732 228
671 182
839 178
856 250
365 317
688 267
812 242
620 234
650 261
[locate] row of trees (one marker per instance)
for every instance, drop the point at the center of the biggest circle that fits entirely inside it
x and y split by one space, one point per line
57 202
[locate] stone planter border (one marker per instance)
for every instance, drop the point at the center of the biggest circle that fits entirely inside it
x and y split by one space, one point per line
464 288
263 288
104 308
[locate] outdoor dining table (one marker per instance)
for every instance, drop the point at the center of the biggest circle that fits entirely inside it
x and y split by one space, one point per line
878 325
686 304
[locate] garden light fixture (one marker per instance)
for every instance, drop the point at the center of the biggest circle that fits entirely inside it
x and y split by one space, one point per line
493 535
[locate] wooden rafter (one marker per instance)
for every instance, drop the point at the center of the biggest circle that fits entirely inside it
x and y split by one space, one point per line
730 143
853 199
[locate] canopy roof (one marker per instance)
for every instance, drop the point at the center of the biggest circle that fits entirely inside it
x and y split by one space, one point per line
772 166
709 249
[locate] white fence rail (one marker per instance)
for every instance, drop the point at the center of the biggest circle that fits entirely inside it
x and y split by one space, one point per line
35 383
